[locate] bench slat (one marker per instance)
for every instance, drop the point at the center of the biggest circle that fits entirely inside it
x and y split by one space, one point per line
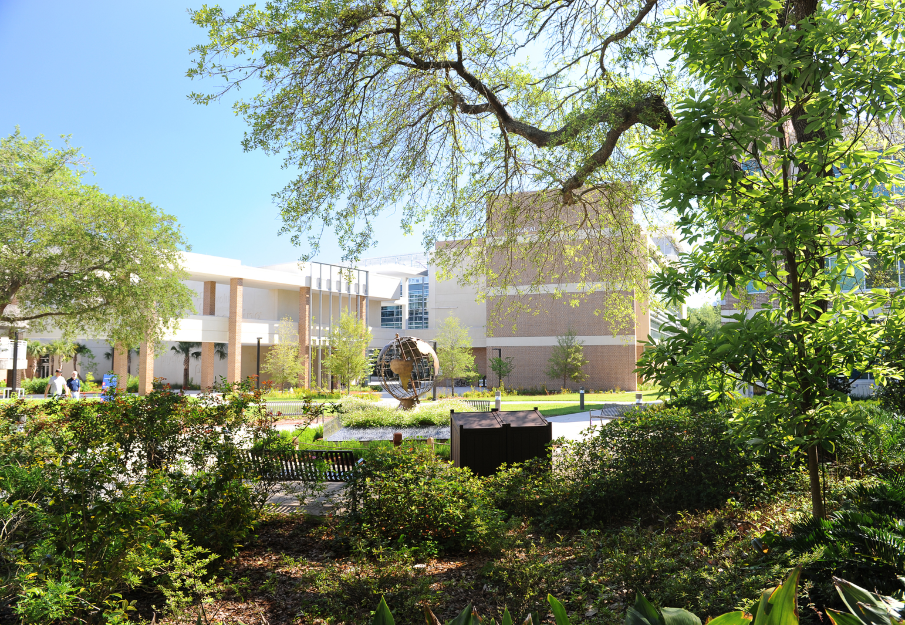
304 465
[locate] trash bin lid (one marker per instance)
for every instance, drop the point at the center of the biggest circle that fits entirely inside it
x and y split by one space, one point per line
522 418
475 420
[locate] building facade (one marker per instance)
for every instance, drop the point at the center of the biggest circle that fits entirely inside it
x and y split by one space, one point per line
241 307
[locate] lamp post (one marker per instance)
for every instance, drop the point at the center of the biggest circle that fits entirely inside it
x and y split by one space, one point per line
258 367
581 397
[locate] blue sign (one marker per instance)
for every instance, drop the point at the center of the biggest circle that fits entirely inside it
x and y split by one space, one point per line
109 381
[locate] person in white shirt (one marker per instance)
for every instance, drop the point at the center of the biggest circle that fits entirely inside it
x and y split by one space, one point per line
56 386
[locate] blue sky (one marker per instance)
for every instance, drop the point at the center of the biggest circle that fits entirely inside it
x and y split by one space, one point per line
112 74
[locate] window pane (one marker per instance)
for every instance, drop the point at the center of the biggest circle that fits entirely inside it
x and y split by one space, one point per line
391 317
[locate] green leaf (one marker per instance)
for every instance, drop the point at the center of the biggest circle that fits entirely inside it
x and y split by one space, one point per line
732 618
643 613
678 616
464 617
507 618
783 604
842 618
857 599
383 616
559 612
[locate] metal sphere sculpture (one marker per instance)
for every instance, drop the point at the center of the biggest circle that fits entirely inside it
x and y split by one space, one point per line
407 367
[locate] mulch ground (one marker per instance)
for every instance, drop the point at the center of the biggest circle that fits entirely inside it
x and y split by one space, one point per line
279 579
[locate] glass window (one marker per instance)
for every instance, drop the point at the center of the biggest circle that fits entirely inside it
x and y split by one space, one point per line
418 315
391 317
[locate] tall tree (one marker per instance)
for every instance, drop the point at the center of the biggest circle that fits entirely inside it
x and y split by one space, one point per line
705 319
283 361
78 260
188 350
433 107
502 367
454 352
779 171
35 350
80 349
567 359
348 359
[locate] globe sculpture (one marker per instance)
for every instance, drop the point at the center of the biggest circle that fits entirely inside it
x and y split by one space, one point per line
407 368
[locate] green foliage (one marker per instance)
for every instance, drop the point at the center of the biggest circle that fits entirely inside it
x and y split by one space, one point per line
79 259
409 498
437 157
567 360
283 361
864 541
188 350
705 320
777 606
348 359
120 494
877 450
454 351
360 413
502 367
813 237
653 462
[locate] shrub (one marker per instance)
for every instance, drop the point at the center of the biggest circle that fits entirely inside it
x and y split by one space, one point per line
878 450
411 499
361 413
119 494
653 462
864 541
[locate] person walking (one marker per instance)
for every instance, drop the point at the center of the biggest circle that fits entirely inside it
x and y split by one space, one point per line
56 386
74 385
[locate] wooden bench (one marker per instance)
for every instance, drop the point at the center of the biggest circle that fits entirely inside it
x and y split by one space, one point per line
306 465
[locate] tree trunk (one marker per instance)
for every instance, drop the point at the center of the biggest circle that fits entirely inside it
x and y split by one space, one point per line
185 374
814 475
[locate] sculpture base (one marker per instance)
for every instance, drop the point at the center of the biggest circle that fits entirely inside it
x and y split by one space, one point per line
408 404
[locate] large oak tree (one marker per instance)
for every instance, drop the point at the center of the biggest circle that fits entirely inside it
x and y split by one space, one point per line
79 260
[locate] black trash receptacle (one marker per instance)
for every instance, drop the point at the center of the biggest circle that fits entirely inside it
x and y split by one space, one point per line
482 441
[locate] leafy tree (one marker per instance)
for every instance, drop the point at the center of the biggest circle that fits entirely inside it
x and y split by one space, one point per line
567 360
502 367
454 351
188 350
706 319
348 359
78 260
283 361
779 171
432 107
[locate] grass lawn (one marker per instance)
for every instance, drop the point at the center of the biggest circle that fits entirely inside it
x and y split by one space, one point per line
588 397
552 409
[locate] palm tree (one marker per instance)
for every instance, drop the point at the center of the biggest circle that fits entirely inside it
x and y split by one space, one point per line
186 349
80 350
34 351
62 349
221 349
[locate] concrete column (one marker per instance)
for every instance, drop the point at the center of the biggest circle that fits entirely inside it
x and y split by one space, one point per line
208 307
121 366
642 330
305 334
146 368
362 308
234 358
